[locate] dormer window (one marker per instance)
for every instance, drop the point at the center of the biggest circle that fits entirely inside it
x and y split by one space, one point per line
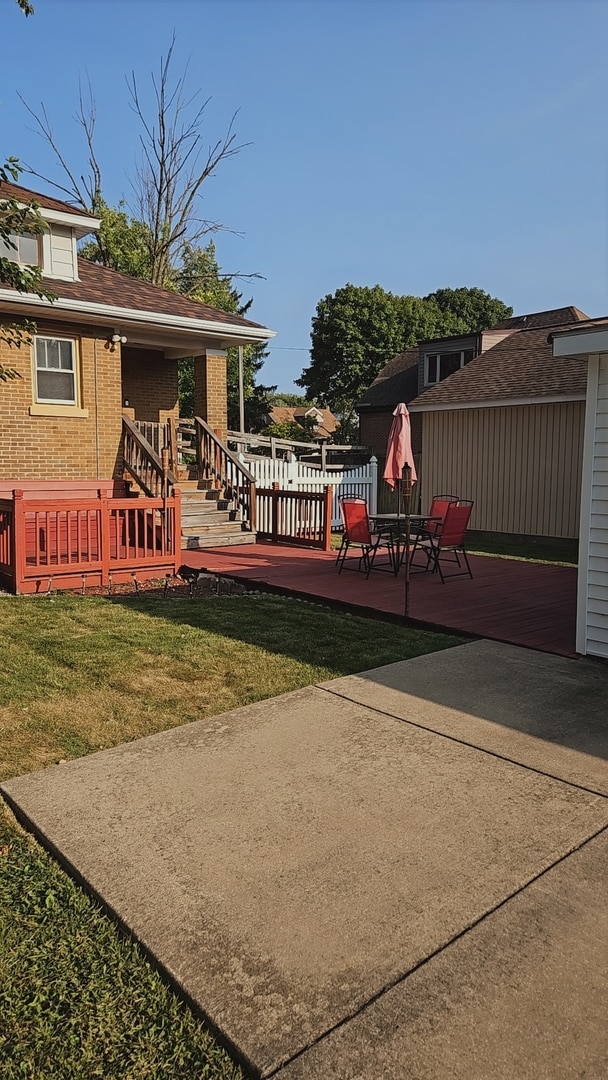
437 366
23 248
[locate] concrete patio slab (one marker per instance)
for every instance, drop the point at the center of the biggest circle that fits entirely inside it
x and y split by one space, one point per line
521 997
547 712
290 862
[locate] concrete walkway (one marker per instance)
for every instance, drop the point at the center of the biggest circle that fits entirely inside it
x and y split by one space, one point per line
400 874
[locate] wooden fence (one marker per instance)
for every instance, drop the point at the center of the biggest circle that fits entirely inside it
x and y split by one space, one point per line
295 517
78 543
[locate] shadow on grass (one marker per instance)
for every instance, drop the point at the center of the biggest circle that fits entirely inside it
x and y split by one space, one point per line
309 633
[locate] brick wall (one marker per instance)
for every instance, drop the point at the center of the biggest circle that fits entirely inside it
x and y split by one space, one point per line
74 446
210 400
149 384
374 428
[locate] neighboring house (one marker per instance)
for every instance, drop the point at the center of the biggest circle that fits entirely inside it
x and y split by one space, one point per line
589 345
494 419
320 422
98 393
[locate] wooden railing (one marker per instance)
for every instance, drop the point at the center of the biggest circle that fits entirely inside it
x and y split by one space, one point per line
295 517
150 469
219 465
70 543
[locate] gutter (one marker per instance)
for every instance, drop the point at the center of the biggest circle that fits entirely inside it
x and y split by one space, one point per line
497 403
114 314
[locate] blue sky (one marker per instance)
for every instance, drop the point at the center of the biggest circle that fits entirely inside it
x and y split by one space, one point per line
411 144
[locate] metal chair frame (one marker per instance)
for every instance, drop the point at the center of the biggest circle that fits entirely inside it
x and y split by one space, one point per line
449 539
357 531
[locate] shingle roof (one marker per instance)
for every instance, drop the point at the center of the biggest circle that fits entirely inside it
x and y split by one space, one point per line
282 414
519 366
398 381
536 319
46 202
99 285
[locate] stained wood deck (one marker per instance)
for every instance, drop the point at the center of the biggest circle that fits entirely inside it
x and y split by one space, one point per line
522 603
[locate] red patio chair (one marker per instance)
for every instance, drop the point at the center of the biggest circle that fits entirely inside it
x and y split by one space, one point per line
448 540
439 505
357 531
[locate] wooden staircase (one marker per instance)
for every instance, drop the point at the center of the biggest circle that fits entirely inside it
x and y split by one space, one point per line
208 519
218 499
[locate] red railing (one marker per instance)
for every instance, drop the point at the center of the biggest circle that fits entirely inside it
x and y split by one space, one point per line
295 517
70 543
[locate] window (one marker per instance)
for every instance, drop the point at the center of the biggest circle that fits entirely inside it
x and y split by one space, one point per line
22 248
438 366
55 360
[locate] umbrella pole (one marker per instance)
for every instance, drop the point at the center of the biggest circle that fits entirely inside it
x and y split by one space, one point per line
398 552
408 498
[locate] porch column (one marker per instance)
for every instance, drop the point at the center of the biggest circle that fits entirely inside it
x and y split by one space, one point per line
210 392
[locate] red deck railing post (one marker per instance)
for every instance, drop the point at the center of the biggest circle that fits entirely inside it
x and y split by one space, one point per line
19 552
177 529
104 514
274 521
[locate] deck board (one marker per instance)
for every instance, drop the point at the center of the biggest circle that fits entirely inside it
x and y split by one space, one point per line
528 604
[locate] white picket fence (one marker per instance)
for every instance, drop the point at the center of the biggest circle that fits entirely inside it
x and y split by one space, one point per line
298 476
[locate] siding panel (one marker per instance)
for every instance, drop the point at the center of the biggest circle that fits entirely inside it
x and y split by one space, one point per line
597 579
521 465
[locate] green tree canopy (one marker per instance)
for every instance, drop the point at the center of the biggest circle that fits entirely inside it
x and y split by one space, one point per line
17 219
358 329
464 311
122 242
200 277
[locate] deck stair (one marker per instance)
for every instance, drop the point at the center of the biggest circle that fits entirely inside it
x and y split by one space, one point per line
208 519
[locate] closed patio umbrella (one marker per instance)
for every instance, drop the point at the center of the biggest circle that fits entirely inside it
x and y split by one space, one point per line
399 456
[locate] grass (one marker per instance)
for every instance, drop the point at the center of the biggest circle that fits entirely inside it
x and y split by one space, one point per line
544 549
77 999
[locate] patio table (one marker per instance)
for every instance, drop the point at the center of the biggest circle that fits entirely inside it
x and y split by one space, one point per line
417 522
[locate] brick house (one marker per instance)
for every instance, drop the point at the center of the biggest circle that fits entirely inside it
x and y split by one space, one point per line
320 422
97 400
495 418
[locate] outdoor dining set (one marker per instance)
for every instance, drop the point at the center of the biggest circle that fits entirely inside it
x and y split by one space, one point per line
418 542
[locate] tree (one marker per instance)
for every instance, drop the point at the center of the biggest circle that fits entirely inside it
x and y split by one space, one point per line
121 243
200 278
290 430
17 219
464 311
173 168
161 241
354 333
292 400
359 329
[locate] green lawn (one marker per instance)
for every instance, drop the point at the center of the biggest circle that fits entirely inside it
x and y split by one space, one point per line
78 674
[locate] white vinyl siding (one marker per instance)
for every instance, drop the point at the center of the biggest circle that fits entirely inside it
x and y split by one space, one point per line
593 585
520 464
59 245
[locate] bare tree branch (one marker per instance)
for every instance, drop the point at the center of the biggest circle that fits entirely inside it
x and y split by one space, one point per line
168 180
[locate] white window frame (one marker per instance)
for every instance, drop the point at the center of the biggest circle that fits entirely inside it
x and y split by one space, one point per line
65 402
13 254
438 355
